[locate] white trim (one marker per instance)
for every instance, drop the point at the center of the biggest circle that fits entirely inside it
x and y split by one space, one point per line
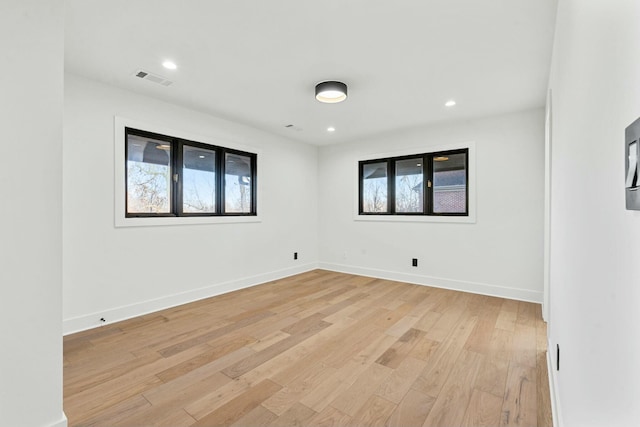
553 390
61 423
117 314
439 282
548 123
415 218
471 168
119 173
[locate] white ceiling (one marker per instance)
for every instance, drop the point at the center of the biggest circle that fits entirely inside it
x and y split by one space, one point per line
257 62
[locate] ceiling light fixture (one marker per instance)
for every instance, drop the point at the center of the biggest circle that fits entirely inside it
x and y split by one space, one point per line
331 129
170 65
450 103
331 92
440 159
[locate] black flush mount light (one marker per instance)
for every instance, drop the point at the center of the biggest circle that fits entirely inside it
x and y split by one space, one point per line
331 92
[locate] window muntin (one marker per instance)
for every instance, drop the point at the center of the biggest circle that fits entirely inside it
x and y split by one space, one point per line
168 176
433 184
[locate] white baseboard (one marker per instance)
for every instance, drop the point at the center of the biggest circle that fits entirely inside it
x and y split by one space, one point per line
62 423
91 320
117 314
553 389
437 282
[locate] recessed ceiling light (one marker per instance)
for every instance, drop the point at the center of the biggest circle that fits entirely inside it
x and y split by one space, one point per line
170 65
450 103
202 157
331 92
331 129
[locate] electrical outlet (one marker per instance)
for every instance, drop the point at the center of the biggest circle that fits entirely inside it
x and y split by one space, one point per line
414 262
557 357
295 255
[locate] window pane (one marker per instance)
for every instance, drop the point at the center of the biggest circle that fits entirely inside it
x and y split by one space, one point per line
409 185
148 175
237 184
450 183
198 180
374 187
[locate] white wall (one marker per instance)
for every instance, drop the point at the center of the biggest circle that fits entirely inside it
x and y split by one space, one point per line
595 241
31 46
501 254
122 272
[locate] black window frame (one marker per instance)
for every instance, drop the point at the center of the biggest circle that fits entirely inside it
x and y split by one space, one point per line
176 168
428 192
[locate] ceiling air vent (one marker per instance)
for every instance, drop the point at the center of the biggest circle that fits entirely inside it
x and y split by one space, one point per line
145 75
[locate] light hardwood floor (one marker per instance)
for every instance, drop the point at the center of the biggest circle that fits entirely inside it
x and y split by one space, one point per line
317 349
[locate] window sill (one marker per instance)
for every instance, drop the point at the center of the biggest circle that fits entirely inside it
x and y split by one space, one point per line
471 219
193 220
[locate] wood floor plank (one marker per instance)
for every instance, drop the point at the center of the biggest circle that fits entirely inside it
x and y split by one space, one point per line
291 394
520 399
424 349
317 349
451 403
213 399
166 391
352 400
335 384
268 340
172 407
397 385
434 376
481 336
240 406
247 364
329 389
184 345
427 321
331 417
296 416
446 322
483 410
493 376
508 316
374 413
163 418
524 345
543 395
203 358
412 410
501 344
86 382
120 412
259 416
394 356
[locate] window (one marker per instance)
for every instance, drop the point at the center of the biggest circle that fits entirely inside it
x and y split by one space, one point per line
167 176
374 187
421 184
